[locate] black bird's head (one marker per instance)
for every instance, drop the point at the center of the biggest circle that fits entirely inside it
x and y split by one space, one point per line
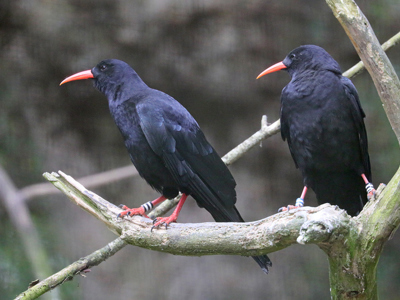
303 58
113 77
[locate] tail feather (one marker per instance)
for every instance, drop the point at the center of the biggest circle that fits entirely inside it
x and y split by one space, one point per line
264 262
232 215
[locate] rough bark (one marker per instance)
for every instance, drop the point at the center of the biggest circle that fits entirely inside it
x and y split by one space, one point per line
353 265
353 245
359 67
364 40
254 238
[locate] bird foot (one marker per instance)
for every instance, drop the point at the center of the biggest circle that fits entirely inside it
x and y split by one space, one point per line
164 221
371 194
370 190
299 203
131 211
287 208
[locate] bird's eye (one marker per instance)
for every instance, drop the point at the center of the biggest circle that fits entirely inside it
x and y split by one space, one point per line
103 67
292 56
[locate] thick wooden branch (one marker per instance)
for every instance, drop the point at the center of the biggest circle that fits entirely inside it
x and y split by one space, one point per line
359 67
381 217
353 266
308 225
253 238
374 57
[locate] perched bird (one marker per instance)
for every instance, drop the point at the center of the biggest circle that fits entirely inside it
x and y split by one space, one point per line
323 123
166 145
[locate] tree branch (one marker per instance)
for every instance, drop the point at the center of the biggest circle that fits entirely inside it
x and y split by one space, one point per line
371 53
253 238
325 226
264 133
358 68
95 180
77 268
352 267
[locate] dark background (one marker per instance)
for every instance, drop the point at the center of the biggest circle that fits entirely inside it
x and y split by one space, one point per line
206 54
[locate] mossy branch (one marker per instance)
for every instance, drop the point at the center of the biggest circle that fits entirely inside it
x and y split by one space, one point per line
364 40
326 225
248 239
353 266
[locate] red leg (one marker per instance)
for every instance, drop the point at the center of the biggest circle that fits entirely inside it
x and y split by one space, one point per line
142 209
299 202
369 187
303 194
173 217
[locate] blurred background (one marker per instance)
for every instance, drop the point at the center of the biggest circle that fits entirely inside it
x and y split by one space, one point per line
206 54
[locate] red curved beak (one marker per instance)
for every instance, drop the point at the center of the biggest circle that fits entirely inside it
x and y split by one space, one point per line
274 68
78 76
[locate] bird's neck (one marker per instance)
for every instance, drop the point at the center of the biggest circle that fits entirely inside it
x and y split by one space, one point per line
121 91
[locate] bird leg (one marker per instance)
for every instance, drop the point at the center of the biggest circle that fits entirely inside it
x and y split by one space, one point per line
172 218
142 209
299 202
369 187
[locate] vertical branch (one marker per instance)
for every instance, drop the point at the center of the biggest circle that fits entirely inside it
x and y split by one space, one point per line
359 67
371 53
353 274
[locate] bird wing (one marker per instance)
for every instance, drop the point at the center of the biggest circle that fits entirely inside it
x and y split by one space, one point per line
358 119
285 130
174 135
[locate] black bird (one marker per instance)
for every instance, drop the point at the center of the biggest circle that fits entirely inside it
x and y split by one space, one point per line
166 145
323 123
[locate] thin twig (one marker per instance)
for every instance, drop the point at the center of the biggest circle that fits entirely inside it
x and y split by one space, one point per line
79 267
91 181
264 133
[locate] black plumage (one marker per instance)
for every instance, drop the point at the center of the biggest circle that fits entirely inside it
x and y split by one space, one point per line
323 123
166 145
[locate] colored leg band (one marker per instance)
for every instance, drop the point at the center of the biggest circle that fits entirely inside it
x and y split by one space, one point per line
369 187
299 202
147 206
